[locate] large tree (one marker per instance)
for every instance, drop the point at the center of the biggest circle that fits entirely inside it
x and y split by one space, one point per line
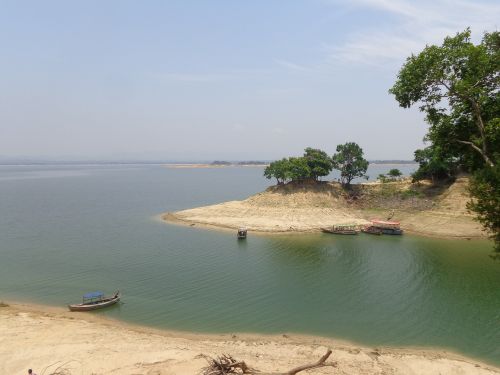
350 162
457 86
318 161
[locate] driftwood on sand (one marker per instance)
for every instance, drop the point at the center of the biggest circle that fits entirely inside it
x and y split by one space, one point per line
226 364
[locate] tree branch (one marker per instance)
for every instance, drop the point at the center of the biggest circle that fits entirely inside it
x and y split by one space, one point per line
485 157
320 363
480 123
225 365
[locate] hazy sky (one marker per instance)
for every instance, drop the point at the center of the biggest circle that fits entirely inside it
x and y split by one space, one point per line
215 79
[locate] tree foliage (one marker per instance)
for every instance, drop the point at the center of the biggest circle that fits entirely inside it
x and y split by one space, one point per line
485 186
278 169
316 163
395 173
320 164
350 162
299 169
457 86
433 165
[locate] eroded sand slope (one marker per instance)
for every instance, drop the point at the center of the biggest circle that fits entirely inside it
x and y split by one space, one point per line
308 208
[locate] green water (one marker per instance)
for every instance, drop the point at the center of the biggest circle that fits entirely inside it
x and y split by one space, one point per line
68 230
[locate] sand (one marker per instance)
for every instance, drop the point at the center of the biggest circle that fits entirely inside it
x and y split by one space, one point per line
45 338
308 209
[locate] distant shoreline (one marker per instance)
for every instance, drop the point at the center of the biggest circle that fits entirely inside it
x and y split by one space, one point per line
194 165
236 165
165 163
28 329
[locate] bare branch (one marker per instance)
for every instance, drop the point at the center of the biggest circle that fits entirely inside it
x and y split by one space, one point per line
225 365
320 363
485 157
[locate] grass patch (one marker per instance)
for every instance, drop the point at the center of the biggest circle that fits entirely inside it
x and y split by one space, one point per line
411 194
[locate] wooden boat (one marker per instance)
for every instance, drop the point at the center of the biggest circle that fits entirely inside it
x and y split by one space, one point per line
392 231
387 227
349 229
385 224
369 229
242 233
95 301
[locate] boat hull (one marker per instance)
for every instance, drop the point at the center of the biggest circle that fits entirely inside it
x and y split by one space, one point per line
374 231
344 232
94 306
393 232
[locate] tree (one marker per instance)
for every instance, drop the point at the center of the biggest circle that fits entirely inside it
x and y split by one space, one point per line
457 86
350 162
278 169
433 165
318 161
394 173
485 186
298 169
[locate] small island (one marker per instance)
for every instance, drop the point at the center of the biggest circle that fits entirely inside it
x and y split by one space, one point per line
301 202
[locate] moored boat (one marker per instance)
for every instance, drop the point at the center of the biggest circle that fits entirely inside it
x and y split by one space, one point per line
392 231
349 229
370 229
242 233
387 227
94 301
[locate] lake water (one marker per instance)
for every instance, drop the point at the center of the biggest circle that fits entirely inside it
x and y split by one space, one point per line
67 230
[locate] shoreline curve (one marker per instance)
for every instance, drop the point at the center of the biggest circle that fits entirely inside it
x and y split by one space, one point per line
36 336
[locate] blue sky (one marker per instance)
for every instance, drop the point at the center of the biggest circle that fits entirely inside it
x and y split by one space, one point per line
191 80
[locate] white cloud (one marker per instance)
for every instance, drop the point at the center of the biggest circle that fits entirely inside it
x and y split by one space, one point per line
412 25
291 65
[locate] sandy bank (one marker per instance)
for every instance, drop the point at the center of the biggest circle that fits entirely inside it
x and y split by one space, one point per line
308 208
39 337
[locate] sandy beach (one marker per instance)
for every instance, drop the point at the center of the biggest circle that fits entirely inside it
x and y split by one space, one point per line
48 338
308 209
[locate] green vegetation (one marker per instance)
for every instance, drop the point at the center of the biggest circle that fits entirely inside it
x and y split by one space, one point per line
393 175
382 178
457 86
278 169
319 163
485 187
350 162
433 165
316 163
